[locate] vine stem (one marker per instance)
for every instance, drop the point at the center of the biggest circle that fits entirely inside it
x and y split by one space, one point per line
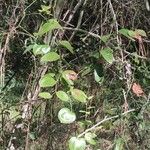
104 120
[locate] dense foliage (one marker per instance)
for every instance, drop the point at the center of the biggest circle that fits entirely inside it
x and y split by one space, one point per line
74 75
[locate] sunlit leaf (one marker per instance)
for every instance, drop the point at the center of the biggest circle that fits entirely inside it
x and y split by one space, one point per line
79 95
40 49
89 137
62 96
49 57
77 143
107 54
66 116
45 95
47 81
67 45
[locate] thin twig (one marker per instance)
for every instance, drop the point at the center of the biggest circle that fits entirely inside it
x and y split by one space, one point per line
79 21
104 120
83 31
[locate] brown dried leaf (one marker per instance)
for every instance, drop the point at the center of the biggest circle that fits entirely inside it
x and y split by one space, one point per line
136 88
72 75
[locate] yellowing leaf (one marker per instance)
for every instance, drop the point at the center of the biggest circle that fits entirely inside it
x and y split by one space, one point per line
78 95
69 76
141 32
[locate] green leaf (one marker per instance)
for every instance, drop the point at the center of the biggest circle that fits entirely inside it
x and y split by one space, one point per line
52 74
97 78
48 27
132 33
89 137
125 32
67 45
98 73
62 96
107 54
141 32
47 81
50 57
45 95
40 49
119 144
78 95
77 143
105 38
66 116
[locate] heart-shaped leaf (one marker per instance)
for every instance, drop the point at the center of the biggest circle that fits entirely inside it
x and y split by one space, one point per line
67 45
45 95
49 57
66 116
78 95
77 143
107 54
62 96
47 81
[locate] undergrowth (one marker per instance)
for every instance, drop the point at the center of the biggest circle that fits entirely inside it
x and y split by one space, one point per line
74 75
